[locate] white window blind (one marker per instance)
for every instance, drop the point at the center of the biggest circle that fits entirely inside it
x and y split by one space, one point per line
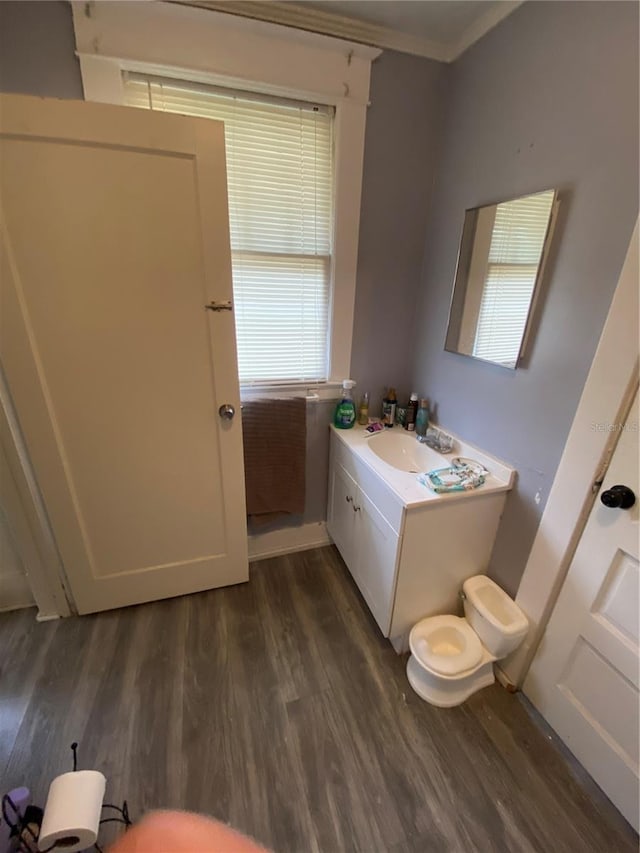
280 180
517 241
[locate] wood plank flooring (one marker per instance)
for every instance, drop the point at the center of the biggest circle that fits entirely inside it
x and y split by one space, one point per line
278 707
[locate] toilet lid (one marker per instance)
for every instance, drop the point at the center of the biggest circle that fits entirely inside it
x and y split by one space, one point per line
446 645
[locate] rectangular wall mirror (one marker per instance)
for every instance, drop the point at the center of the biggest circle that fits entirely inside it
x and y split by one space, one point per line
500 265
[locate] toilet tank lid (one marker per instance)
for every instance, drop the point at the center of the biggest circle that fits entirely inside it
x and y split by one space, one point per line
494 605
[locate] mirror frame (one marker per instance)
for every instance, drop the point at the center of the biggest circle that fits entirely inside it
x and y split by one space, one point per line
548 238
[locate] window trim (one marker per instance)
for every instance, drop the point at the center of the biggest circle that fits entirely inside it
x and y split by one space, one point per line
219 49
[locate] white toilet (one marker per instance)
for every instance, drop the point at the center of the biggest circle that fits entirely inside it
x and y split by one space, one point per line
451 658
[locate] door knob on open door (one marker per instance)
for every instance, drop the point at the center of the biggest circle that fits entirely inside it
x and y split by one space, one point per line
226 412
618 497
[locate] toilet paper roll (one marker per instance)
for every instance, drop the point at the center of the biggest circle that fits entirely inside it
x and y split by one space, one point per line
72 813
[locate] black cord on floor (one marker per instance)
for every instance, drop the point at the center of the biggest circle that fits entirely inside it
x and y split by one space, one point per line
123 812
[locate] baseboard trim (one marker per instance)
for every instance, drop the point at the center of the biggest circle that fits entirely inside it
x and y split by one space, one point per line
504 680
8 608
16 592
288 540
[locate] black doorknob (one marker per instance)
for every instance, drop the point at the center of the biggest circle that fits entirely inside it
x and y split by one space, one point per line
618 497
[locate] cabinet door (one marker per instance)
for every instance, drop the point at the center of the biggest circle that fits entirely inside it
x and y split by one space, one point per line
377 557
341 515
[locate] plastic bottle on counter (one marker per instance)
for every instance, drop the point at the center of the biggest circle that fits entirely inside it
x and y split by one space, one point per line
412 413
389 408
422 419
363 411
345 416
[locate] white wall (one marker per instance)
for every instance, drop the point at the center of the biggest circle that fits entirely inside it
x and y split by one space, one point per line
14 586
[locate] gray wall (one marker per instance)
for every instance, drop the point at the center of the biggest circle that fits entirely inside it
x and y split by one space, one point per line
547 99
37 50
14 587
401 150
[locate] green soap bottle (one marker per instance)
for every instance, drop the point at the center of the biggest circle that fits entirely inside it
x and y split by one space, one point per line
345 416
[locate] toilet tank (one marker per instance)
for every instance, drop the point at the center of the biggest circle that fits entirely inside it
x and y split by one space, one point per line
493 615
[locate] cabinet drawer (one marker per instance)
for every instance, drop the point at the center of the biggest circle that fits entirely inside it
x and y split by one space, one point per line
384 499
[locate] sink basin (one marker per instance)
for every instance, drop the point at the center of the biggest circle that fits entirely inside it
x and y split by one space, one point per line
404 452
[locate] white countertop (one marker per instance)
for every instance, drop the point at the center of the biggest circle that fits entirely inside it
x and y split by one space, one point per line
405 484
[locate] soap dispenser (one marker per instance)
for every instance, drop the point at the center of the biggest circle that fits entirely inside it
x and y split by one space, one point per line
345 416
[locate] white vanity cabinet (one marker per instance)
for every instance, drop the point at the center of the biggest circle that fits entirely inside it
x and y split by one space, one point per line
367 542
408 552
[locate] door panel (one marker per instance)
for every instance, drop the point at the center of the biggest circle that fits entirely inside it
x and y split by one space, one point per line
376 561
584 678
115 237
341 516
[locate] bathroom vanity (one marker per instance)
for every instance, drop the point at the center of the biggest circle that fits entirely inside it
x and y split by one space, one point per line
408 549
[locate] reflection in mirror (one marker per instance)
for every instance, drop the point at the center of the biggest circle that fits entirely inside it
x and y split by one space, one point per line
500 264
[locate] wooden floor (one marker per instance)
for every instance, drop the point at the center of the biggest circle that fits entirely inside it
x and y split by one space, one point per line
278 707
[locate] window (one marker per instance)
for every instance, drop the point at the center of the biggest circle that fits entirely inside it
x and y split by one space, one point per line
517 241
178 43
280 180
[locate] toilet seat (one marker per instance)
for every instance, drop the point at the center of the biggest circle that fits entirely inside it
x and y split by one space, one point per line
446 645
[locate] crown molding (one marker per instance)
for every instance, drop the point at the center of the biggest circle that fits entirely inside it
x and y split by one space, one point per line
327 23
291 14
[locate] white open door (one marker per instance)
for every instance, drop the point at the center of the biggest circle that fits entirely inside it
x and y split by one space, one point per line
114 239
584 678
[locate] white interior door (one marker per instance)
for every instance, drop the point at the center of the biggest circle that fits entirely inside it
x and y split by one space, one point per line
584 678
114 238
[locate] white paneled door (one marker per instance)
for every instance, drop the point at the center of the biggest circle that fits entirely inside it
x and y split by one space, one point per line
114 239
584 678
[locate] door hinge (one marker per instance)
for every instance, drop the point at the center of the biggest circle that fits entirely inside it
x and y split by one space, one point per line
226 305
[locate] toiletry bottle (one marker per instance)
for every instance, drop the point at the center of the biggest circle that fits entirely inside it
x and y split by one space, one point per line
422 420
345 416
389 408
412 411
363 412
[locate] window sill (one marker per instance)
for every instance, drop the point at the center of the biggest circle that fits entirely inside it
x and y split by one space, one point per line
313 392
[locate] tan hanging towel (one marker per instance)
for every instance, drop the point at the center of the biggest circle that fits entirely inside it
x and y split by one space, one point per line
275 440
